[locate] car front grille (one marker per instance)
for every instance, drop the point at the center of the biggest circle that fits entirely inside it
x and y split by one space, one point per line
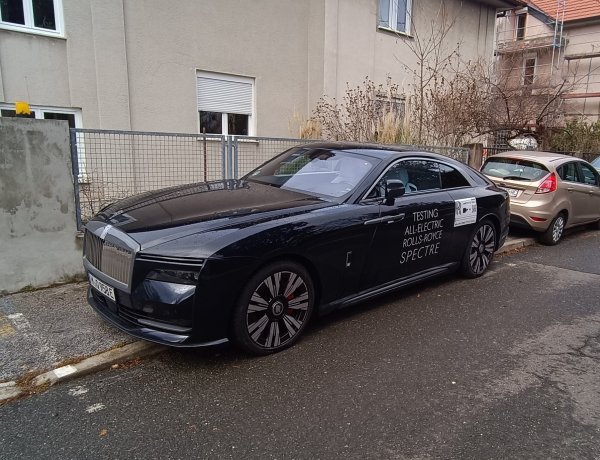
109 257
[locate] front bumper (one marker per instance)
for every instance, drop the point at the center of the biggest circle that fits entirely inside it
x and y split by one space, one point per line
109 310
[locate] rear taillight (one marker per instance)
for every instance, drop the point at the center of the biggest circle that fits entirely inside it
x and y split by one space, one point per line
549 184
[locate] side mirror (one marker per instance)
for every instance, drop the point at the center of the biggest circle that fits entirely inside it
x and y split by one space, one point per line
394 188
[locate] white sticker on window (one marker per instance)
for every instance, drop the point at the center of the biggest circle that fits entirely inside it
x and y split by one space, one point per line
465 211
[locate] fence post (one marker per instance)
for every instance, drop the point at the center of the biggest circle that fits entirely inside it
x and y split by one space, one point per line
235 157
224 157
75 168
475 155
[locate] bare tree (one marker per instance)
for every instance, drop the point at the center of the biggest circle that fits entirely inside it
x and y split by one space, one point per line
433 56
366 113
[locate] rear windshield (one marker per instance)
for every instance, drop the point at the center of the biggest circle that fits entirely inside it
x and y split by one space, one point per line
514 169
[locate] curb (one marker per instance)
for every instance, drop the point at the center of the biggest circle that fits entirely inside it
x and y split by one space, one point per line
516 244
139 349
98 362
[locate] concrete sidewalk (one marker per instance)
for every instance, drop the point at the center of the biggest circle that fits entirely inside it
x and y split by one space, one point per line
52 334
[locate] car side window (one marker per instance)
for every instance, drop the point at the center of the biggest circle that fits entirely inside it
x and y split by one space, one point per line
588 176
568 172
416 175
452 178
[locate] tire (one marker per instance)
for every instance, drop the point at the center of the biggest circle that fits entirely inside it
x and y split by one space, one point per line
480 250
273 308
555 231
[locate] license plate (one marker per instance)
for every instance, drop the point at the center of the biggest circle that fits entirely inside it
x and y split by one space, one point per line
511 191
103 288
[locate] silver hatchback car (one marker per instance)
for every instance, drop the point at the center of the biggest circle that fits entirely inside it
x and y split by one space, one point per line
549 192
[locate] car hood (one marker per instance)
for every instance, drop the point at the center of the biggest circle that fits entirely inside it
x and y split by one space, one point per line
170 213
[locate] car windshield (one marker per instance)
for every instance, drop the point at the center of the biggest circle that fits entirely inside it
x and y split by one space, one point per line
317 171
514 169
596 163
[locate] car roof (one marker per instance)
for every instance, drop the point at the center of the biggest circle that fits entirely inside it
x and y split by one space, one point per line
379 151
549 157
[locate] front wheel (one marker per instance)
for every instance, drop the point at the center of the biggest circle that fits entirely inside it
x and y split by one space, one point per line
480 250
274 308
555 231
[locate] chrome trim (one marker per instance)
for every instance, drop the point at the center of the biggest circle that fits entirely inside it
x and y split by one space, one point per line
111 252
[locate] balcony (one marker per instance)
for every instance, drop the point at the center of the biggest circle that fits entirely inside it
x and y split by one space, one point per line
537 42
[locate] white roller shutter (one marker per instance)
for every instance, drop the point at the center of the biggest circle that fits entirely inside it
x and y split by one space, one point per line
224 95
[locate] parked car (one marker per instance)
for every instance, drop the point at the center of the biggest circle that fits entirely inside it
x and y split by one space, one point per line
319 227
596 163
549 192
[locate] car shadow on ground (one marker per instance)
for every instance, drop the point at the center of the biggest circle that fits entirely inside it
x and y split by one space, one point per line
230 354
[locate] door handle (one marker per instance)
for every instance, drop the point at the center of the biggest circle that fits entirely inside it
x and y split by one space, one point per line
392 219
570 189
388 219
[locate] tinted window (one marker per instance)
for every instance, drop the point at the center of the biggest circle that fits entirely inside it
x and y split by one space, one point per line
590 176
568 172
514 169
416 175
452 178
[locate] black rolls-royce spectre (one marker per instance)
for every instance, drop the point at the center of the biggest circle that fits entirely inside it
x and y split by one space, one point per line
319 227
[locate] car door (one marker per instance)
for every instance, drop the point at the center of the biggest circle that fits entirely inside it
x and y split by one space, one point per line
413 233
575 190
591 199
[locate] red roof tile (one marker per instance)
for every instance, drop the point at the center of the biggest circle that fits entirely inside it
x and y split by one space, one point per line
574 9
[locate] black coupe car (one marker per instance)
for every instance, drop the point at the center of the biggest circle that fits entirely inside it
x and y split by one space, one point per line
319 227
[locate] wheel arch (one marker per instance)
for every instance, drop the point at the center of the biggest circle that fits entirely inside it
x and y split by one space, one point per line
301 260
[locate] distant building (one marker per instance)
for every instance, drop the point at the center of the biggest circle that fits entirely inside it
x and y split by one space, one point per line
553 40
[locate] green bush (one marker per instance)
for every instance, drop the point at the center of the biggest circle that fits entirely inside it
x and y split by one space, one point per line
577 136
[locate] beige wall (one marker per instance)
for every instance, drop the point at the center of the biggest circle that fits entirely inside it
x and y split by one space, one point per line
132 65
356 48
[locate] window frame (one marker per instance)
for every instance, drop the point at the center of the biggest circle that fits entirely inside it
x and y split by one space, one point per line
520 29
393 17
225 115
29 26
39 111
525 78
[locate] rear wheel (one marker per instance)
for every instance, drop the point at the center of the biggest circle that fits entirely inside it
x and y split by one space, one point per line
480 250
555 231
274 308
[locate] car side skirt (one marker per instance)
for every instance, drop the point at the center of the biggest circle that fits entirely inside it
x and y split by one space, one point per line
389 287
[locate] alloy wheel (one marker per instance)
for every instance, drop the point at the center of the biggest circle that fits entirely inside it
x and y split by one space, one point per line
558 228
277 310
482 249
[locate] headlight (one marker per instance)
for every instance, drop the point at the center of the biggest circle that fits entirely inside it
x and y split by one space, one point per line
174 276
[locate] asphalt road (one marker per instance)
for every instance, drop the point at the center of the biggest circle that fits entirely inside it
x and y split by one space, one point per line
504 366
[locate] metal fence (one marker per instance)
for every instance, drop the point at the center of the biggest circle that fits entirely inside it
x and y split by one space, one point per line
109 165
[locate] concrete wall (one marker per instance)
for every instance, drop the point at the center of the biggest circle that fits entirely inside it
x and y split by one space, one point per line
37 209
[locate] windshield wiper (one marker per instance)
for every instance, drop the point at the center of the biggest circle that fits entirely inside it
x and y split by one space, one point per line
516 178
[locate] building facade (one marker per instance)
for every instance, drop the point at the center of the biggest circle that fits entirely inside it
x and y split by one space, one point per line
229 67
548 42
